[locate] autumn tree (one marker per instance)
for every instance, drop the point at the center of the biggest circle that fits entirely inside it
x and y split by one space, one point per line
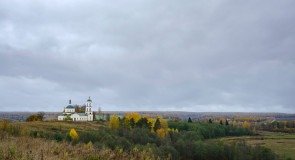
80 109
33 118
246 125
74 135
136 117
235 123
114 122
5 125
226 122
94 116
99 113
275 128
161 133
126 123
164 125
220 122
41 115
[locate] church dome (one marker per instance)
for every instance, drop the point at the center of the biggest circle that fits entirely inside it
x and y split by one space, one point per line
70 106
89 100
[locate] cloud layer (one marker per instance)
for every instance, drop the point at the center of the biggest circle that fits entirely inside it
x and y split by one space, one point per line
148 55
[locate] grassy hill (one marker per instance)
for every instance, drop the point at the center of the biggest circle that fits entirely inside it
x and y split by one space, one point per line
52 140
281 143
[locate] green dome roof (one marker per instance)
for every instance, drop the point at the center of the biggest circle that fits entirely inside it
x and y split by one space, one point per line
70 106
89 100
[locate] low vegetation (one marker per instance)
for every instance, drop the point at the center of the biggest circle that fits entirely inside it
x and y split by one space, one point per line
130 137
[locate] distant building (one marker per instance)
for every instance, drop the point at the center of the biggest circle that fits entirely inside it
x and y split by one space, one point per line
70 112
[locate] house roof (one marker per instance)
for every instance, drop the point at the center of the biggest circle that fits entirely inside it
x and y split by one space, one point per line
81 114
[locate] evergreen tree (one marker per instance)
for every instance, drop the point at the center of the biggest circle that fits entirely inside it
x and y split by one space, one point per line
210 120
132 123
143 123
226 123
157 125
189 120
220 122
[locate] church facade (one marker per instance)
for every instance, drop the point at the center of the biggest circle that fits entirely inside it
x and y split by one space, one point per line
70 112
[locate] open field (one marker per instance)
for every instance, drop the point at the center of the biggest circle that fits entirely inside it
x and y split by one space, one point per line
281 143
61 127
284 147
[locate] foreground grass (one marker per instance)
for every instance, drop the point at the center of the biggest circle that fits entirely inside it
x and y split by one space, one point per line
28 148
283 147
43 146
282 144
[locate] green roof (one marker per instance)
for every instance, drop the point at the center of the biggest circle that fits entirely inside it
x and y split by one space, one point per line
89 100
70 106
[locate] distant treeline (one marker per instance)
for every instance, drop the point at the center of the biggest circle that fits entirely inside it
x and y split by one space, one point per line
169 115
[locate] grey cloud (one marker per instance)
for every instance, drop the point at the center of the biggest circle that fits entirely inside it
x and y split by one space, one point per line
151 55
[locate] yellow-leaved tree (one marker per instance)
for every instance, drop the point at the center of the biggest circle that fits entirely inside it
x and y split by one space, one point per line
164 125
246 125
114 122
235 123
74 135
161 132
133 115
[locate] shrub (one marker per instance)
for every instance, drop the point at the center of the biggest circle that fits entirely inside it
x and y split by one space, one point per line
36 134
58 137
11 151
33 118
68 137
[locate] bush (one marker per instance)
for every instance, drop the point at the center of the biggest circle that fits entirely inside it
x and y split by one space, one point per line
58 137
33 118
36 134
68 137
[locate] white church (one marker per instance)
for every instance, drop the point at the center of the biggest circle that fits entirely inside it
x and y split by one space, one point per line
70 111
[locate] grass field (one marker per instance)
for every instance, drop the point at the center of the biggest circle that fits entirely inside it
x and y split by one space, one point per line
62 127
281 143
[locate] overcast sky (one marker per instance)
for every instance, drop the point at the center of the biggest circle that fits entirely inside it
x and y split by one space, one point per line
148 55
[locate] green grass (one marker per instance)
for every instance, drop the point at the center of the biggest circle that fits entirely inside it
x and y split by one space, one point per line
283 147
60 127
281 143
234 138
280 137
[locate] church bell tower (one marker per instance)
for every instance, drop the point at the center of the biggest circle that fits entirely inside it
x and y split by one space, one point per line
88 109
